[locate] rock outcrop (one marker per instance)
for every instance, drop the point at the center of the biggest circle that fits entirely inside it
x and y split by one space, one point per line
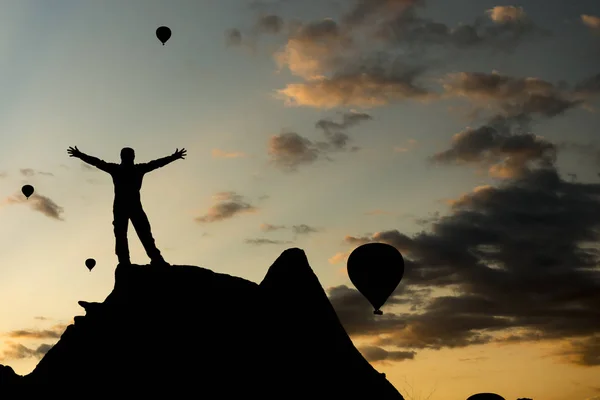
188 329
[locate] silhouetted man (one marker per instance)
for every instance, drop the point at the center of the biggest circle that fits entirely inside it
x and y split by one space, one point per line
127 178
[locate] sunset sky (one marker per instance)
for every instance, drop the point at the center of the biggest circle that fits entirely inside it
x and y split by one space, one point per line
464 133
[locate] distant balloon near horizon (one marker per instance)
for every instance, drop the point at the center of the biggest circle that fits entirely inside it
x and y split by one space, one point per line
376 269
27 190
163 34
486 396
90 263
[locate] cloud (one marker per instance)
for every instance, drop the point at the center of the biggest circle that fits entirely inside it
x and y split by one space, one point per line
339 257
303 229
503 146
377 354
262 241
217 153
270 228
270 23
3 174
377 52
503 29
228 205
17 351
53 333
87 167
519 258
31 172
360 86
38 203
584 352
336 138
506 14
233 37
289 150
591 21
511 96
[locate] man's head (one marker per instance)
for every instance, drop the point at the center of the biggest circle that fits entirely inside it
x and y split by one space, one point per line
127 155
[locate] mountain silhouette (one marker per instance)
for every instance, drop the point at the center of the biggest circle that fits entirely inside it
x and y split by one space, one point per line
186 328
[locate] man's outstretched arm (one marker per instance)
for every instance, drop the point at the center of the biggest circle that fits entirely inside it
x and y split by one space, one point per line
161 162
96 162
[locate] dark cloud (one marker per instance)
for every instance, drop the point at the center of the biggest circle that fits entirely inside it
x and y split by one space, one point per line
228 205
271 23
303 229
521 258
261 241
17 351
39 203
503 146
589 86
233 37
514 96
31 172
503 28
377 354
358 61
336 138
290 150
584 352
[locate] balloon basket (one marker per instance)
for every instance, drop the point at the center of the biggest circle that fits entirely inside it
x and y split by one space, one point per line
378 312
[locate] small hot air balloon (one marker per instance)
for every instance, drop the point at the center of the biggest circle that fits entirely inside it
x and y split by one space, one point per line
90 263
486 396
376 269
163 34
27 190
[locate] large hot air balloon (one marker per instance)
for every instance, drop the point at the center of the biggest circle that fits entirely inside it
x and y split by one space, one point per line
163 34
90 263
486 396
27 190
376 269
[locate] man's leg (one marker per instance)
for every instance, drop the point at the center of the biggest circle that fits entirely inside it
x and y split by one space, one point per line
141 224
120 224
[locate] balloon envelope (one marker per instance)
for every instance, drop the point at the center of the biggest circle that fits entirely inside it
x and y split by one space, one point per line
163 34
486 396
27 190
376 269
90 263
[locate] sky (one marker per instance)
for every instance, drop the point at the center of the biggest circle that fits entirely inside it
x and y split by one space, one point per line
465 134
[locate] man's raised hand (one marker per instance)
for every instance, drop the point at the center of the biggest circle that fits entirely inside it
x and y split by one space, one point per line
180 153
74 152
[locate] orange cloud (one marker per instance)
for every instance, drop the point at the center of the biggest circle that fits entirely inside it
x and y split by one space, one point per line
502 14
338 258
591 21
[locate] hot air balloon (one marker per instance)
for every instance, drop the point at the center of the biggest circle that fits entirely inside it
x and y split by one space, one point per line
163 34
90 263
486 396
376 269
27 190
